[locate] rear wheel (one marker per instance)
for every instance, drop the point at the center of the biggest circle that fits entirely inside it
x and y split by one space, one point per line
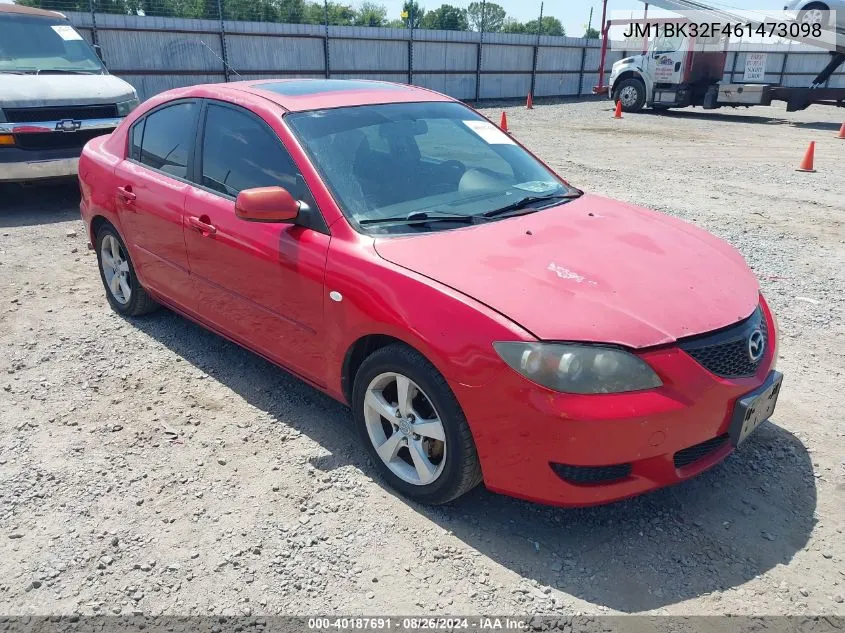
413 427
631 93
123 290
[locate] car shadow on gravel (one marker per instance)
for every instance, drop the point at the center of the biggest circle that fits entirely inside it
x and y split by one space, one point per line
717 531
39 204
714 532
721 116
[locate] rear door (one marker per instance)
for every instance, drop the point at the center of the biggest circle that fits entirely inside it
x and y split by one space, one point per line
151 187
259 283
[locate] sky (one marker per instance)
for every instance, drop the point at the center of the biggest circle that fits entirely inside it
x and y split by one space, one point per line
574 13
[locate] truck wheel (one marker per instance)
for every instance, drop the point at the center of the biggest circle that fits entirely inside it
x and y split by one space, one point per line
815 13
631 92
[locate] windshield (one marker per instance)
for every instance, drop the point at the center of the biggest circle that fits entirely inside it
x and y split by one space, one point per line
431 164
34 44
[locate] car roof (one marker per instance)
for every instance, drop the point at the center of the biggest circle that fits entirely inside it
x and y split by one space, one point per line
18 8
297 95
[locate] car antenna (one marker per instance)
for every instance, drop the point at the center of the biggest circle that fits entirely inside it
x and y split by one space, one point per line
220 58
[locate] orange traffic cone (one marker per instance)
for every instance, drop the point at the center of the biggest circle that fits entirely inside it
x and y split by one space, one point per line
504 123
842 132
618 113
807 163
530 103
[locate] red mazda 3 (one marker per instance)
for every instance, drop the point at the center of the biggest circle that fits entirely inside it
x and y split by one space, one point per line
485 320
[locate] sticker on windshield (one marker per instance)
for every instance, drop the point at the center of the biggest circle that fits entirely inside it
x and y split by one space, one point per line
489 133
66 32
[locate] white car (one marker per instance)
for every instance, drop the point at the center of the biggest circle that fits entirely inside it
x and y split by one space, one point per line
828 12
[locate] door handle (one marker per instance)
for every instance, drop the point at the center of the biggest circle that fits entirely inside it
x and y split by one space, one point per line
125 194
202 224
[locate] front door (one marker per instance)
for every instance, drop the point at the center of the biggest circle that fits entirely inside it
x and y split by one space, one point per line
150 198
259 283
666 58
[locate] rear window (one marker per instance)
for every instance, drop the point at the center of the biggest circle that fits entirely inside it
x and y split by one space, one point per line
165 138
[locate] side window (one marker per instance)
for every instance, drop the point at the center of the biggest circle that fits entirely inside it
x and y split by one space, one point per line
168 138
137 138
240 152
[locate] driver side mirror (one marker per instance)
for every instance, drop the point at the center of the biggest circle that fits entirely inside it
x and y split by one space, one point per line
266 204
99 51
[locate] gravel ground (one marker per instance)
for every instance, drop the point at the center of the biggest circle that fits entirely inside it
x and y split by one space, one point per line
150 466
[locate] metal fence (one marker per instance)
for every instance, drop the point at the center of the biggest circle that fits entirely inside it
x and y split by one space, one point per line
156 52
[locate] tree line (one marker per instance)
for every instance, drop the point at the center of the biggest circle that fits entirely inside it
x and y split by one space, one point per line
489 16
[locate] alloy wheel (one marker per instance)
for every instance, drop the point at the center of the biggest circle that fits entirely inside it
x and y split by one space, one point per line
405 428
628 96
115 265
813 16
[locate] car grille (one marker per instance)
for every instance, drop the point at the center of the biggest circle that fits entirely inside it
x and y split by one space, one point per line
588 475
57 140
694 453
59 113
725 352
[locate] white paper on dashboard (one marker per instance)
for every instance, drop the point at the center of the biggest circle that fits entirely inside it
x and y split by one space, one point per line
489 133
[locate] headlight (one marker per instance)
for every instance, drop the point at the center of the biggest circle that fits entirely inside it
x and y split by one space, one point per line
579 368
125 107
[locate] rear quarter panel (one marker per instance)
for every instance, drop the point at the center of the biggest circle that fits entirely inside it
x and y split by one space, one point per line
96 183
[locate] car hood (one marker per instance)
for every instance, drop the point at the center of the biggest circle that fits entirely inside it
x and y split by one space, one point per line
593 270
34 91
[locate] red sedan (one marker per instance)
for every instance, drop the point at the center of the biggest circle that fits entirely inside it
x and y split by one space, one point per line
484 319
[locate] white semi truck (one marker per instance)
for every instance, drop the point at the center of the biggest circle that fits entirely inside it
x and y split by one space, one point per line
678 71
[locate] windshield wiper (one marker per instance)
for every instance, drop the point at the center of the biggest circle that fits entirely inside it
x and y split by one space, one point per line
64 71
422 217
525 204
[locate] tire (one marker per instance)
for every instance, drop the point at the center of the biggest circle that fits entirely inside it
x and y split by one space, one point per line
631 92
138 301
810 10
458 470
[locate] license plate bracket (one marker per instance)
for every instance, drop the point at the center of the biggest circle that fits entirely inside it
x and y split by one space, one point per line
754 408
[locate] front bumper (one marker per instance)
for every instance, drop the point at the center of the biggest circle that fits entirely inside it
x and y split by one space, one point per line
574 450
28 170
45 150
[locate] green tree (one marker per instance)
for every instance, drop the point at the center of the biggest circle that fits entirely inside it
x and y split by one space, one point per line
492 20
415 12
591 33
512 25
339 14
371 14
550 26
446 18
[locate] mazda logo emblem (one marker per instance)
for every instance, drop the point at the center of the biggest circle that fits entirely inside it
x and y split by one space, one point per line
756 346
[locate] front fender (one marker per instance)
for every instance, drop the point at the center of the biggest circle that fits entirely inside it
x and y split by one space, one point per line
626 72
453 331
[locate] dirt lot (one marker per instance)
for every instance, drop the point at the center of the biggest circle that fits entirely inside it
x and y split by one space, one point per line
151 466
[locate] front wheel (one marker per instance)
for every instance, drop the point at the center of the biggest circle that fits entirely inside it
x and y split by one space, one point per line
413 427
631 93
